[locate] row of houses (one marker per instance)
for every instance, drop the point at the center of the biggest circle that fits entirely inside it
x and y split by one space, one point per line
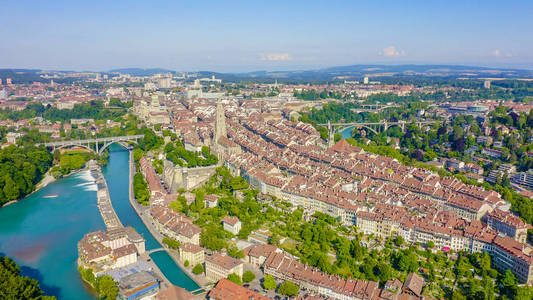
175 225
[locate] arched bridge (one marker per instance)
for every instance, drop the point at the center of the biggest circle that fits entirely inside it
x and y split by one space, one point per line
375 127
94 144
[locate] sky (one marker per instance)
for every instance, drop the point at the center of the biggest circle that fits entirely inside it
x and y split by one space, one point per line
241 36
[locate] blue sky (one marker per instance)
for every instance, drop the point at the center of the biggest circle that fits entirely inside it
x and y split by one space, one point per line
262 35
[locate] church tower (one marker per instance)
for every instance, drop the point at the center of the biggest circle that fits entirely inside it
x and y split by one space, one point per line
220 131
220 123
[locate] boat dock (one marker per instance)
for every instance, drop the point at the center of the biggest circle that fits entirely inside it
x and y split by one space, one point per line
107 211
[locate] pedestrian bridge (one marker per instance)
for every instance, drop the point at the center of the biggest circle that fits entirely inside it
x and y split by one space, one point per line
94 144
155 250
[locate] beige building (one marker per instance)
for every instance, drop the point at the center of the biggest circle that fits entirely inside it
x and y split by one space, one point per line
193 253
218 266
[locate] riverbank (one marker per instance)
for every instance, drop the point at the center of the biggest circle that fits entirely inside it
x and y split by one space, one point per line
144 214
48 179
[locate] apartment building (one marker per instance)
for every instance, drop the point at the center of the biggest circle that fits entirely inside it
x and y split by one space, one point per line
192 253
218 266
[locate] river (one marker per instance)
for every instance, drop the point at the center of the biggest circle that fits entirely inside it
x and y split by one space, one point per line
41 234
346 133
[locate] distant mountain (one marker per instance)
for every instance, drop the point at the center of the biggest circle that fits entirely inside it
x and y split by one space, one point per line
141 72
385 73
359 71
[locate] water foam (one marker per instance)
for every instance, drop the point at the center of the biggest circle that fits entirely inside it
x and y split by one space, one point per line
89 183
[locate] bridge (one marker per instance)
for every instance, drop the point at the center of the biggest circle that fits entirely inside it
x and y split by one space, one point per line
94 144
373 108
375 127
155 250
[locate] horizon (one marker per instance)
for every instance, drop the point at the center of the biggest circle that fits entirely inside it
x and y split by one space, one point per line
304 69
240 36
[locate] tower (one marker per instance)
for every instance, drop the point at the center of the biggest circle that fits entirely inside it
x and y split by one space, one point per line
220 123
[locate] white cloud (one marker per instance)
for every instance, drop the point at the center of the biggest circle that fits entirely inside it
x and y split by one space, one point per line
276 56
391 51
495 52
498 53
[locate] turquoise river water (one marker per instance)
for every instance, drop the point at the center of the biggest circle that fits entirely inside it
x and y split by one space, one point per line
41 234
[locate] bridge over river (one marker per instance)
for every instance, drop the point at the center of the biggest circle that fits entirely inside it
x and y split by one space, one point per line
94 144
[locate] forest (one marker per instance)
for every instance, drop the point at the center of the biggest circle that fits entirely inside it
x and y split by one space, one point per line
14 286
21 168
89 110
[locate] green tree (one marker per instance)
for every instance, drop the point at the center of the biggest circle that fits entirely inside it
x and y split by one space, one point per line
11 189
288 288
234 252
248 276
171 243
430 244
235 278
198 269
269 282
106 287
186 263
14 286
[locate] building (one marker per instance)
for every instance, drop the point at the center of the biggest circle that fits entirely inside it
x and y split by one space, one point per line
175 225
226 289
211 200
130 235
101 251
12 137
486 84
508 254
260 236
523 178
192 253
218 266
232 224
365 80
257 254
174 293
283 267
508 224
138 285
413 285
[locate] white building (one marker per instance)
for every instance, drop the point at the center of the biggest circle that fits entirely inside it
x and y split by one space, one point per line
232 224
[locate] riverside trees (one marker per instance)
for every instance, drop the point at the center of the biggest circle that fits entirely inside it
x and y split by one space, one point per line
15 286
21 168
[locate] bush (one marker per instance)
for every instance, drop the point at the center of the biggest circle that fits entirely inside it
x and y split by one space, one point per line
186 263
248 276
198 269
